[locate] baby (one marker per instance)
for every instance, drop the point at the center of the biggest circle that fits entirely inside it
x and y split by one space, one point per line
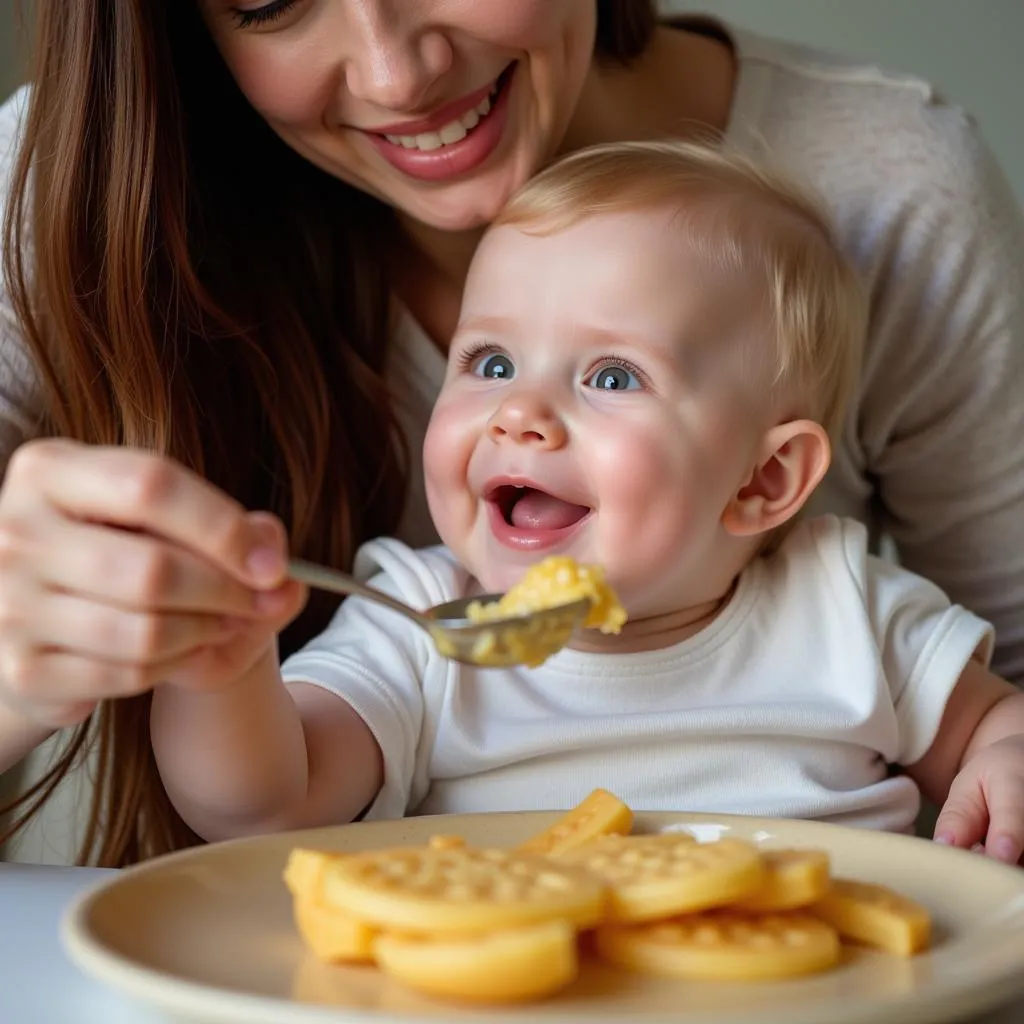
651 361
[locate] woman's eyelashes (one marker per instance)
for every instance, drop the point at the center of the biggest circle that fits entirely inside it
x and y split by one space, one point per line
252 17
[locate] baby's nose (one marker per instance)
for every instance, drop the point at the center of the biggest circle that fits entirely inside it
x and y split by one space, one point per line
529 420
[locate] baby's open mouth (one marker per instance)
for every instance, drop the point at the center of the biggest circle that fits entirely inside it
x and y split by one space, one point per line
528 508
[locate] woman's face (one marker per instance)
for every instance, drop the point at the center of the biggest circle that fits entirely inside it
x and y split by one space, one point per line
442 108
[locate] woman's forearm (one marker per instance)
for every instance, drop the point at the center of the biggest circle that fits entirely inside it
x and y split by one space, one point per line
234 761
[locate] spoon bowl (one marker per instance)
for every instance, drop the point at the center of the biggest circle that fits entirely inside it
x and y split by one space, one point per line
493 643
518 640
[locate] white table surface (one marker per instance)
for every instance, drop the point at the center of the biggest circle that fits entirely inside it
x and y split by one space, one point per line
39 985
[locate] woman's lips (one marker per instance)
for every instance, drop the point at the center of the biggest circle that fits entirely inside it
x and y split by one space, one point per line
450 112
452 159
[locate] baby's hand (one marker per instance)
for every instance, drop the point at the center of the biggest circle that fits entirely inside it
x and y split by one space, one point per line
986 802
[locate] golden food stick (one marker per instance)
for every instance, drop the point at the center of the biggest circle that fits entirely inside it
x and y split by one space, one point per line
793 879
599 814
876 916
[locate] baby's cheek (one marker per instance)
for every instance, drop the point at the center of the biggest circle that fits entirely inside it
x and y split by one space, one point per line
636 481
633 470
440 454
447 449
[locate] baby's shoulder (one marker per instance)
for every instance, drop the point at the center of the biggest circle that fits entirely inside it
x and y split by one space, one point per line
829 560
820 549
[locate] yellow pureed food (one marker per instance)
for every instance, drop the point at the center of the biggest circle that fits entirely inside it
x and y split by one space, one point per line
557 580
503 926
554 581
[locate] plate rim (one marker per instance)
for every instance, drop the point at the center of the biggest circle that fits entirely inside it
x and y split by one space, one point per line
170 991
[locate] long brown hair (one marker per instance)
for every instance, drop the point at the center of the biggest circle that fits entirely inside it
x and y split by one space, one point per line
175 302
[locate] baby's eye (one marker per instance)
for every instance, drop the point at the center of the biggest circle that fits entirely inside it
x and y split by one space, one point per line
613 377
496 366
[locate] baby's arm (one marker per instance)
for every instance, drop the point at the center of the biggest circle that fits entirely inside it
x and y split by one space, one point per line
975 766
257 756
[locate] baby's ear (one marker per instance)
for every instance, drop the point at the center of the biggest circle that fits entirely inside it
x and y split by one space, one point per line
791 462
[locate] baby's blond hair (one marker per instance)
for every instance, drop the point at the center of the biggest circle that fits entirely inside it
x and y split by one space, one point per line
743 216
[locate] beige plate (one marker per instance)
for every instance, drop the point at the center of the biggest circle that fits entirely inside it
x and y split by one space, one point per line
207 934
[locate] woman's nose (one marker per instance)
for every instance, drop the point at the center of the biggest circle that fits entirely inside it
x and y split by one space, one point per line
527 420
394 58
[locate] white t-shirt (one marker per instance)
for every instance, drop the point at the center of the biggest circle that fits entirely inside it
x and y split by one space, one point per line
827 666
932 451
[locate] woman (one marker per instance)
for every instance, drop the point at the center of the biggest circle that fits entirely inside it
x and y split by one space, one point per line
240 259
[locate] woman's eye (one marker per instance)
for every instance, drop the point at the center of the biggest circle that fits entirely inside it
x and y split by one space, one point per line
269 12
612 377
496 366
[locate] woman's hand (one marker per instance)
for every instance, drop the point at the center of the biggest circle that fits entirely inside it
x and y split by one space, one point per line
121 569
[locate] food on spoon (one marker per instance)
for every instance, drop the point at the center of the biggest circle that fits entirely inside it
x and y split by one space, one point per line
557 580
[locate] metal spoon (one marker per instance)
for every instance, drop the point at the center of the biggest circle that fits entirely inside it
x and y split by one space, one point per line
525 639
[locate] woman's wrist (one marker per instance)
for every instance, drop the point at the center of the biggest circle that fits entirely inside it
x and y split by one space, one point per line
19 735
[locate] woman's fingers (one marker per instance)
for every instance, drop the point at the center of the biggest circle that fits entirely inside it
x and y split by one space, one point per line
146 492
83 626
132 570
120 570
58 686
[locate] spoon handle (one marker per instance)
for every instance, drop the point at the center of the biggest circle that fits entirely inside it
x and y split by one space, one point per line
323 578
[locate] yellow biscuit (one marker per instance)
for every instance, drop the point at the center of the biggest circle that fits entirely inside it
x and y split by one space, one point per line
660 875
599 814
417 889
332 936
876 916
793 879
302 870
496 967
446 842
723 945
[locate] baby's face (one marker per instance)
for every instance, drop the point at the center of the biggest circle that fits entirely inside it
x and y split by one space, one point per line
605 399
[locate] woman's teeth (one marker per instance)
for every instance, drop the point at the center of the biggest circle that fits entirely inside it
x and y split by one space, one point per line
454 131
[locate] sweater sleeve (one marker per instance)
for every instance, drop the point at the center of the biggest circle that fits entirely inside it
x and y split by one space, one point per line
931 452
942 408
